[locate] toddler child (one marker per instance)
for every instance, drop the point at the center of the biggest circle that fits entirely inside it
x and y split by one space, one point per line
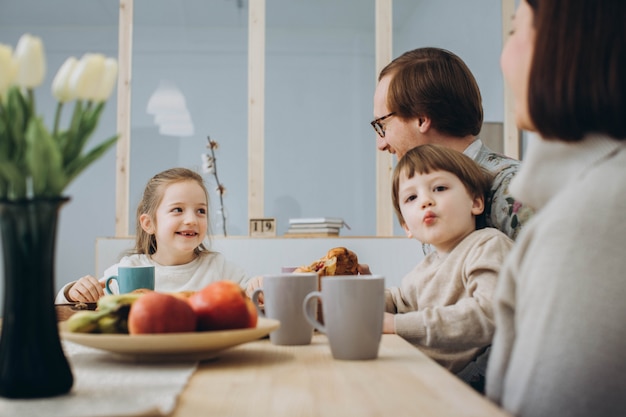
444 305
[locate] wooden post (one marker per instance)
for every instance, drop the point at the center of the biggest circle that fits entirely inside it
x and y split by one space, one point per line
256 111
122 177
384 161
511 133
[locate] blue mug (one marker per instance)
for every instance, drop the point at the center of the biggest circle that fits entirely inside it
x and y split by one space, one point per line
131 278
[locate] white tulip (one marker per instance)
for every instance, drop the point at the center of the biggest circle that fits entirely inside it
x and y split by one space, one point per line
8 68
87 76
31 61
60 85
108 80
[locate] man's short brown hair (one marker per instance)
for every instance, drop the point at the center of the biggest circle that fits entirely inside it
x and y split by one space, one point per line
435 83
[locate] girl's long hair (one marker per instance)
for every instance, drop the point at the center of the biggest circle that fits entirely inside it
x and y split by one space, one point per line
145 243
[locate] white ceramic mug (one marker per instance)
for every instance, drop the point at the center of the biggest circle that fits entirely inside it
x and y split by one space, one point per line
353 308
283 295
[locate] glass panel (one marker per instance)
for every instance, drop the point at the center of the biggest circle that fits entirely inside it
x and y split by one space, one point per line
193 51
319 146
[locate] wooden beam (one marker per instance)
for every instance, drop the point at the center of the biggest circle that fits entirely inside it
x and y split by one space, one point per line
122 173
384 160
256 108
511 133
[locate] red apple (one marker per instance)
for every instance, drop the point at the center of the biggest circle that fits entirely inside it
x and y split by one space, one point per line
222 305
156 312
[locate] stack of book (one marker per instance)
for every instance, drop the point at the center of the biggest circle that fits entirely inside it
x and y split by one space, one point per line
315 227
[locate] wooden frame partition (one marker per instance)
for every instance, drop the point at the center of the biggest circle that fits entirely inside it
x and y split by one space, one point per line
384 160
122 170
511 133
256 109
256 115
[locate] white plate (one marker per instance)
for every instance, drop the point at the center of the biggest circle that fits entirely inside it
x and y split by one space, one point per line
171 346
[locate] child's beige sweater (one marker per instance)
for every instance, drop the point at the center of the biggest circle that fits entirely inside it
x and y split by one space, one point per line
444 305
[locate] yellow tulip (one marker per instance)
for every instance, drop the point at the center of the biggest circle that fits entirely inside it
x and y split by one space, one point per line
87 76
60 85
109 77
29 55
8 68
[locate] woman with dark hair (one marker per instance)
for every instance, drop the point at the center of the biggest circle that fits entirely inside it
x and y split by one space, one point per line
560 307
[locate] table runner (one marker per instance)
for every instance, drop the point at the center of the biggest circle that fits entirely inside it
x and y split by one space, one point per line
109 385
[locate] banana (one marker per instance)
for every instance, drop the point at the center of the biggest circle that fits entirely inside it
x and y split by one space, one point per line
112 301
111 315
116 321
109 324
84 321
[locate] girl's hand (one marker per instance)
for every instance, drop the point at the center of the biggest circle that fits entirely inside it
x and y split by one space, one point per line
253 284
389 324
87 290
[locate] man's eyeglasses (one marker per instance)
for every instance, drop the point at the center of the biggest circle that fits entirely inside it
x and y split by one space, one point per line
378 126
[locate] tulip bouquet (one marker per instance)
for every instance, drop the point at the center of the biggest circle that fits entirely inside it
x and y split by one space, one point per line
34 160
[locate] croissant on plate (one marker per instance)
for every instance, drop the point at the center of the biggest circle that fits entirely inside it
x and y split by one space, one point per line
338 261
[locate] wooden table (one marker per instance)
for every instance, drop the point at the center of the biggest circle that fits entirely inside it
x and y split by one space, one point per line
260 379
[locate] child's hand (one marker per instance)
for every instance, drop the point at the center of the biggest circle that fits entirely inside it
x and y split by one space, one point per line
389 324
253 284
87 290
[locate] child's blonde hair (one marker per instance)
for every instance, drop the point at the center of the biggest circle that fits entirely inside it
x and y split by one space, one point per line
427 158
152 195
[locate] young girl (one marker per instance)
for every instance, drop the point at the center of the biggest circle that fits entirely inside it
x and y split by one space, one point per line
171 226
444 305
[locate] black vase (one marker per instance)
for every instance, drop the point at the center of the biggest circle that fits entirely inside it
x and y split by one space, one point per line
32 362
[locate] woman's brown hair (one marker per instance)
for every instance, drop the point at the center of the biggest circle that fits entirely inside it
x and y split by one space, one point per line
425 159
435 83
577 80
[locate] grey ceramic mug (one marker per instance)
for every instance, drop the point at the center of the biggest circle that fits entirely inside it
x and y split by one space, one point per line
353 308
283 295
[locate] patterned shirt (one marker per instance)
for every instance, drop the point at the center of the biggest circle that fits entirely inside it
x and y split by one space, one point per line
502 211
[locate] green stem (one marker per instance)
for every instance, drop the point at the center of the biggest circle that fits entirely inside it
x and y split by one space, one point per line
31 102
57 118
17 130
5 117
12 144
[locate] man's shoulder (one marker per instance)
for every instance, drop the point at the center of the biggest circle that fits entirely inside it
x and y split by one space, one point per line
496 162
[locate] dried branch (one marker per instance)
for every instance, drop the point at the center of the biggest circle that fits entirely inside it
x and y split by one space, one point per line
209 165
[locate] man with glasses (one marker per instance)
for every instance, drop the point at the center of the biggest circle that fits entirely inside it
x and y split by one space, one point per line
429 95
